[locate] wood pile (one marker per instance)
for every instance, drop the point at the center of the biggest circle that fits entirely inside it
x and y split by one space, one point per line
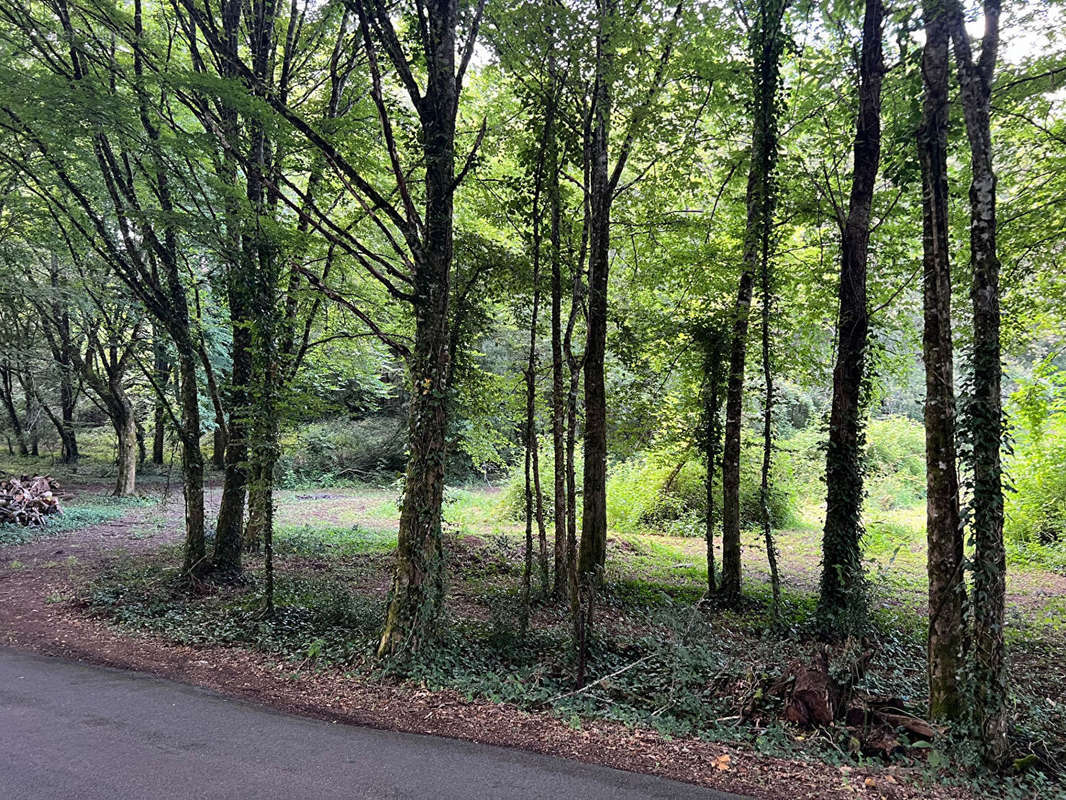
28 500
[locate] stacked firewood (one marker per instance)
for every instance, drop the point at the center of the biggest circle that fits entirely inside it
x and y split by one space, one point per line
28 500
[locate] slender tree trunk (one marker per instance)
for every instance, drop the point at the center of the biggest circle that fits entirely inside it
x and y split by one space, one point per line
574 366
842 585
67 402
593 547
542 530
559 403
713 343
7 386
944 528
62 346
161 369
527 560
534 494
768 420
32 432
984 412
192 463
766 43
417 589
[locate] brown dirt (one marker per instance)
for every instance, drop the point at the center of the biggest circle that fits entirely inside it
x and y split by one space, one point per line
38 580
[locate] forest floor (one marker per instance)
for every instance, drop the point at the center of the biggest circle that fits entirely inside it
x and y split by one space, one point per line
689 695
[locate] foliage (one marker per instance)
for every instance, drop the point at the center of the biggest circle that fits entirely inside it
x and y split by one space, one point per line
340 451
1036 508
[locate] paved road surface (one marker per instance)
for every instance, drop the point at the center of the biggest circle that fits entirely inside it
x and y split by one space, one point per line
75 732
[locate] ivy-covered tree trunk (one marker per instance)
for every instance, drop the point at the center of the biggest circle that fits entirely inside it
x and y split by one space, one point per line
943 523
766 42
842 596
230 534
417 588
593 546
192 462
983 409
767 296
574 366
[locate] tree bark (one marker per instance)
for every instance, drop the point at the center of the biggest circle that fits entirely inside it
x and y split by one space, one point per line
766 286
417 590
984 412
125 424
766 42
7 389
713 342
558 396
230 531
593 546
161 368
842 591
943 523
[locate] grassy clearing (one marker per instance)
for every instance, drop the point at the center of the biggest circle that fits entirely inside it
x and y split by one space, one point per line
75 516
681 669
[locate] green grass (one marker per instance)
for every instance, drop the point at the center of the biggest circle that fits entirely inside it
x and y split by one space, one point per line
75 516
331 542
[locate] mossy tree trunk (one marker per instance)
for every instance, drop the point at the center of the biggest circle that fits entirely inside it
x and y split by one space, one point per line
842 597
947 592
766 42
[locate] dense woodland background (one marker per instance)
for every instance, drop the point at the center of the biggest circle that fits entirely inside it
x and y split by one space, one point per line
776 284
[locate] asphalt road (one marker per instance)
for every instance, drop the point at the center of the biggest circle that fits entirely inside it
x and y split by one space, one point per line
74 732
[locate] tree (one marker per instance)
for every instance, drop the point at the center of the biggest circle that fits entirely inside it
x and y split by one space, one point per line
766 42
983 405
943 522
842 591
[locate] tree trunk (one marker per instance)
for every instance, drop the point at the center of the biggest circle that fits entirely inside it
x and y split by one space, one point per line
713 342
231 534
984 412
944 528
768 421
766 43
558 397
161 368
125 424
842 593
417 591
593 547
527 553
7 388
192 464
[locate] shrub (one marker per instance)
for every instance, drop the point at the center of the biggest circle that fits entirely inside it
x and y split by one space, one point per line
343 451
659 491
1036 509
513 498
895 463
